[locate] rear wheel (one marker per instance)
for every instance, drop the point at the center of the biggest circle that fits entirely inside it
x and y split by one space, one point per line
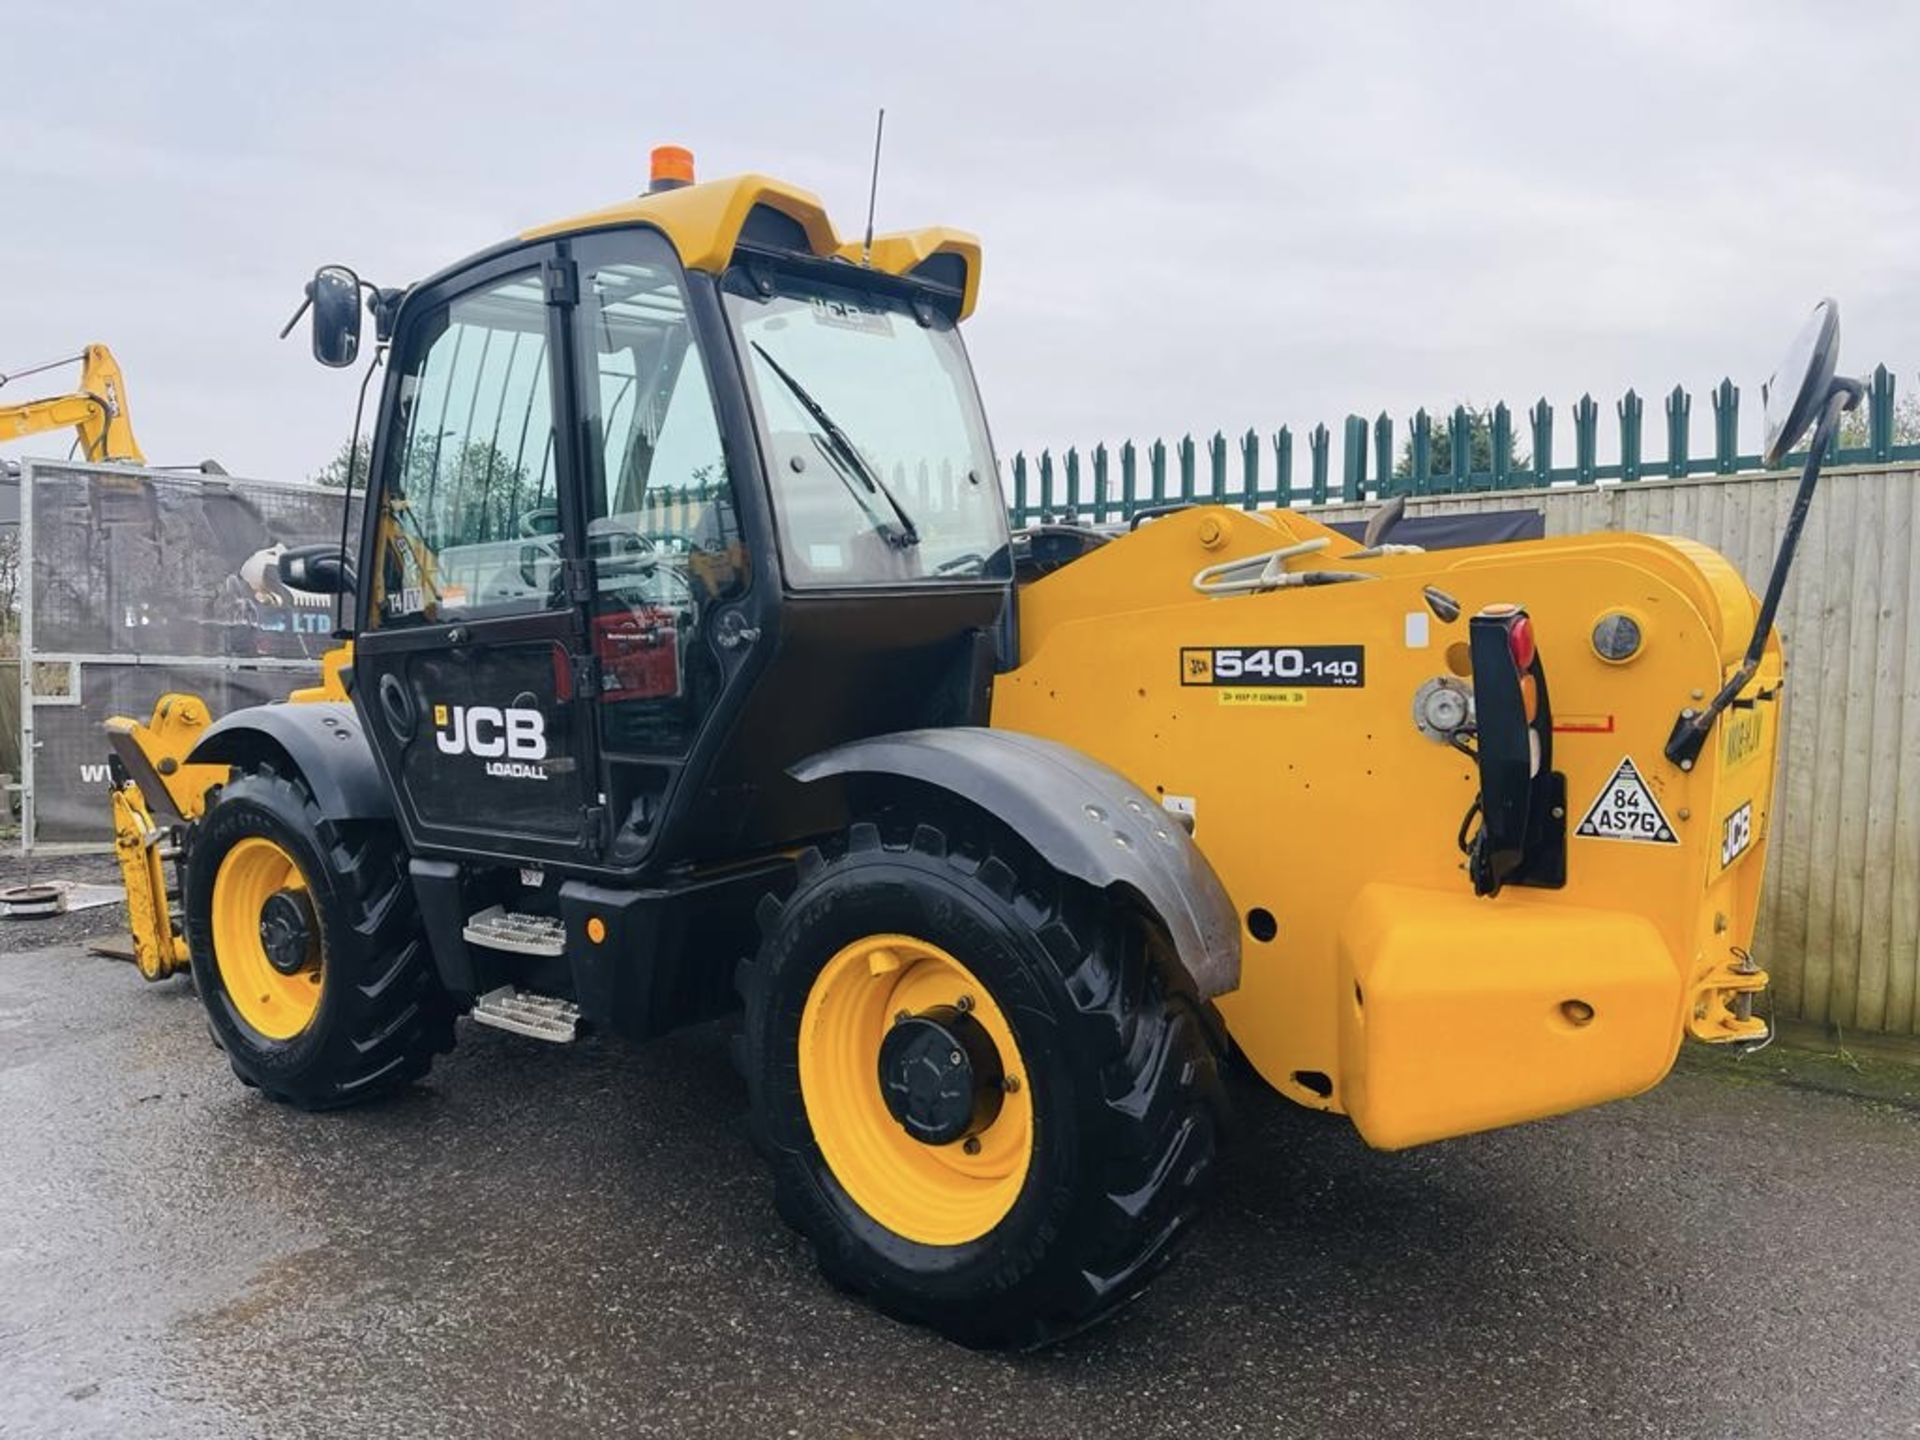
307 948
987 1097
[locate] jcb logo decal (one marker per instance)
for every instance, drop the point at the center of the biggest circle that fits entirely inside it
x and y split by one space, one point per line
1736 834
512 739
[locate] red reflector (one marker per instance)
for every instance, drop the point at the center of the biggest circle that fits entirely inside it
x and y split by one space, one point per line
1520 642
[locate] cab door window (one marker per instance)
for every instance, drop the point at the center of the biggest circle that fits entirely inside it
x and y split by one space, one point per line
468 516
663 532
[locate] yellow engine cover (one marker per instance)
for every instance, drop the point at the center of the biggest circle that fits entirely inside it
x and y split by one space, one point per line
1333 820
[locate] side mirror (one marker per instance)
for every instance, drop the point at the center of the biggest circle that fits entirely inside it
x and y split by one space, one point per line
1803 394
335 295
1800 384
321 569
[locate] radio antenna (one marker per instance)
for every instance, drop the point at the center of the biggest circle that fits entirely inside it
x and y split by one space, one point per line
873 188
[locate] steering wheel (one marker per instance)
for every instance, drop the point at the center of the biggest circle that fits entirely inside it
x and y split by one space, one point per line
534 551
620 552
673 542
649 561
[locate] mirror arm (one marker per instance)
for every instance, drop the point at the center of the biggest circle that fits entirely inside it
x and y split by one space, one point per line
1690 730
384 306
305 305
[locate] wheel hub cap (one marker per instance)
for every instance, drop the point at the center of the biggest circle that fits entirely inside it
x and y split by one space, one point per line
286 931
940 1075
259 902
935 1150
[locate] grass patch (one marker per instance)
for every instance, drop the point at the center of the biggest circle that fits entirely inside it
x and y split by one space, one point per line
1887 1073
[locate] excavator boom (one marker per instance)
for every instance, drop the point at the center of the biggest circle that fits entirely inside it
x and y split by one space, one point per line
97 411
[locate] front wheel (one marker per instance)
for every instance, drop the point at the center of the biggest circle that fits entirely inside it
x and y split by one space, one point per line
307 947
987 1098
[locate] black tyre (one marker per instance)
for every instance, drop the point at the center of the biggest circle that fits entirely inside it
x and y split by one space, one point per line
308 949
930 970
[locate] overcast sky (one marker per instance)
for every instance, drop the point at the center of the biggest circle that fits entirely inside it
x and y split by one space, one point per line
1194 215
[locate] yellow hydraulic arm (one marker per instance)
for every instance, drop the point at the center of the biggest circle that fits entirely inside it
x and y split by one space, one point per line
158 795
97 411
155 795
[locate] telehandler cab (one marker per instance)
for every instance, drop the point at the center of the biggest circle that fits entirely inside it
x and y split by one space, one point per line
691 655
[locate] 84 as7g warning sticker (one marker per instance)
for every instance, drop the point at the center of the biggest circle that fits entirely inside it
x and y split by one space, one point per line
1626 810
1290 665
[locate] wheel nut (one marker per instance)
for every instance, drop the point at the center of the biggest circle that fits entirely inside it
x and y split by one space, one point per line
963 1004
900 1017
1010 1084
972 1145
956 1057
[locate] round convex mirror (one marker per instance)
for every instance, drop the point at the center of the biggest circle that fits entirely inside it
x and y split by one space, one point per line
1800 384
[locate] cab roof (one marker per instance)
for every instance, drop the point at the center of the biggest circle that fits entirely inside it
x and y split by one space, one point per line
704 222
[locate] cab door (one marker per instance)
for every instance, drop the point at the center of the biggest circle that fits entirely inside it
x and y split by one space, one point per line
471 618
672 613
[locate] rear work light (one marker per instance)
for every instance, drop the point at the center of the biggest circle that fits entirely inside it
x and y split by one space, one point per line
1521 807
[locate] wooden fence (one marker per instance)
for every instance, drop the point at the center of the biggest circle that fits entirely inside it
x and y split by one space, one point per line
1840 919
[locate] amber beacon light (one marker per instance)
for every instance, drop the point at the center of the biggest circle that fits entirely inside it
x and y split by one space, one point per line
672 167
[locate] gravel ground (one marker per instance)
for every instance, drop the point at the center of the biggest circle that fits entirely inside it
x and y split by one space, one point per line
577 1241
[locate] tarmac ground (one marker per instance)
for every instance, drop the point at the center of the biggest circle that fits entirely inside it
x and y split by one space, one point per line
579 1241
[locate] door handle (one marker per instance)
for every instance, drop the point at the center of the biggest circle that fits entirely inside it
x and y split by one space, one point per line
397 706
731 632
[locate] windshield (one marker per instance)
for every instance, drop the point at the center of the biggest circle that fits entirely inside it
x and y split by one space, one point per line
876 449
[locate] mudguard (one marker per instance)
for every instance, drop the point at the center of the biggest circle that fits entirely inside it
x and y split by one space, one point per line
1087 820
323 740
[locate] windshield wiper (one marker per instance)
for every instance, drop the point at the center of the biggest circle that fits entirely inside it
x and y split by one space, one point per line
908 533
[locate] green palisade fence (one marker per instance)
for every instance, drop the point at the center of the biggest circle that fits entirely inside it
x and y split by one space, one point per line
1255 471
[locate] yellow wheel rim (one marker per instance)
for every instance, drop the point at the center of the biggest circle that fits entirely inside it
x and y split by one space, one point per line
276 1004
931 1194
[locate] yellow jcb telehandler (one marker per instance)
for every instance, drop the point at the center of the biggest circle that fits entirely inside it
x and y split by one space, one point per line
693 665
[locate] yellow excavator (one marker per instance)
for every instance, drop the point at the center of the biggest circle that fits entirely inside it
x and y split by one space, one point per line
692 659
97 411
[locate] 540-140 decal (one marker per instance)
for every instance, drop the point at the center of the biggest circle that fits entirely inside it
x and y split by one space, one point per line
1342 666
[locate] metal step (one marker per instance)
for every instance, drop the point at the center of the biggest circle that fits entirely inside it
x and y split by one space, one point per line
499 928
543 1017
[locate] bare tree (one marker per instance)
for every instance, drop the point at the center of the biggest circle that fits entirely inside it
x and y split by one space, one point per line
9 586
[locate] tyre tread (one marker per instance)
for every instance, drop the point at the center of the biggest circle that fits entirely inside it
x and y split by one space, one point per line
396 1017
1158 1096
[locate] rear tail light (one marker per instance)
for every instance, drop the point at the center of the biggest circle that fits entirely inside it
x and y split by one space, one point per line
1522 803
1520 641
